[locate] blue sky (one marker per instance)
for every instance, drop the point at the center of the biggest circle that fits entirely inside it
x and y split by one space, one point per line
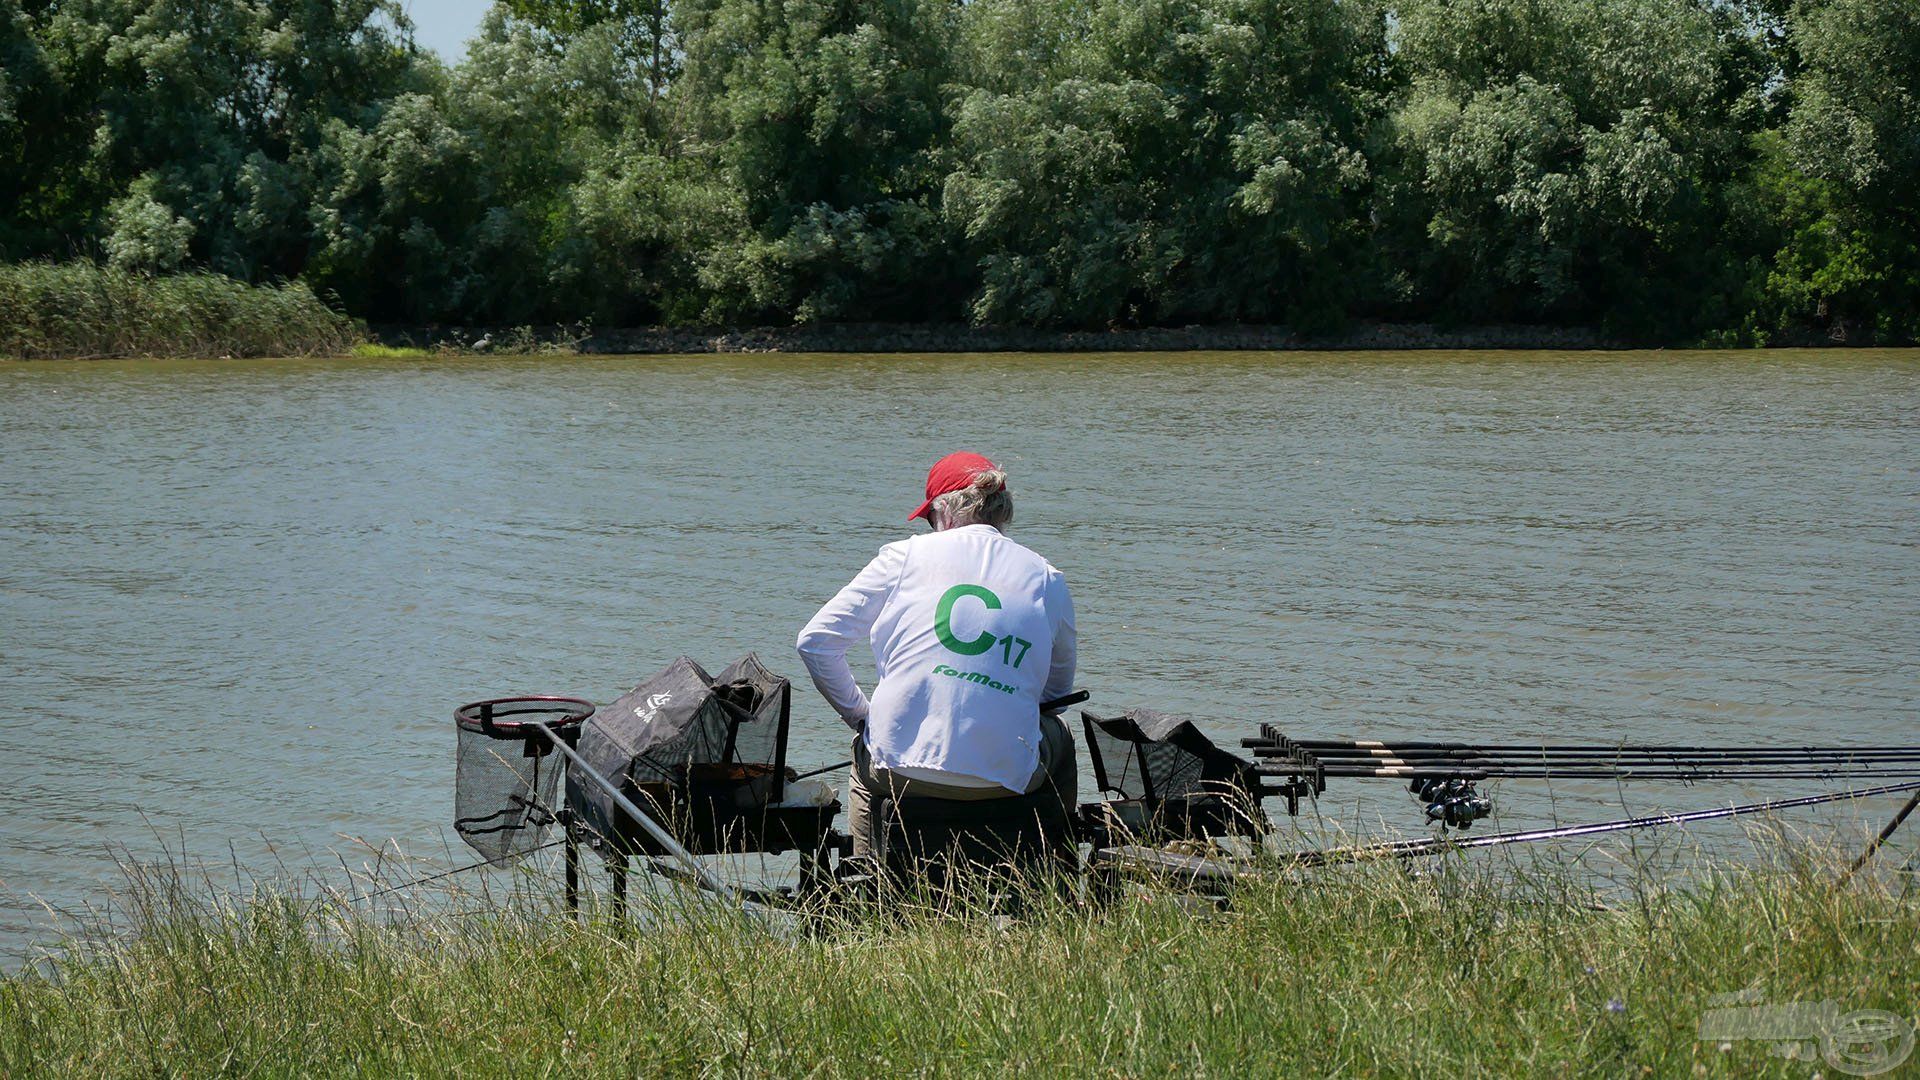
445 25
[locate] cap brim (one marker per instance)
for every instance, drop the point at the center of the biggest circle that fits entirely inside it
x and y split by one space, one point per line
922 512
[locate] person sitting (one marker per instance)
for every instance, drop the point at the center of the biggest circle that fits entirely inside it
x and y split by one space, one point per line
970 633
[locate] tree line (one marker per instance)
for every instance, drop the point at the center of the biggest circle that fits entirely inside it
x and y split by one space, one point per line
1736 171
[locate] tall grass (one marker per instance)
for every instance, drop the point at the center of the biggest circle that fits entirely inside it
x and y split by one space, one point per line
80 309
1362 969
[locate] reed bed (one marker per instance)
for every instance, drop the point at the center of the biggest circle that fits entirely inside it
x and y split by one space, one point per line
1467 969
82 310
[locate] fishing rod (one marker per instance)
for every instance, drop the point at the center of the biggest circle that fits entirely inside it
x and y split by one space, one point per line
1436 845
1289 750
1278 755
1882 837
1548 754
1377 746
1494 772
480 865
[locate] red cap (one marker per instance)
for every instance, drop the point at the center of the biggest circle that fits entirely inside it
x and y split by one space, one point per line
954 472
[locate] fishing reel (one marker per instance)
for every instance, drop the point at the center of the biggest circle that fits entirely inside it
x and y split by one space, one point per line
1450 800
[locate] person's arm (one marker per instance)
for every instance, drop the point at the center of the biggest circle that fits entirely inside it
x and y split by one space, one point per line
846 619
1065 640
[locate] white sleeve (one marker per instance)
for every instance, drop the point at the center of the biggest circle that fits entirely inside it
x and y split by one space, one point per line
846 619
1065 640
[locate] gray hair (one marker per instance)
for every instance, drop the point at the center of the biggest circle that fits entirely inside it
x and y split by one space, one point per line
984 502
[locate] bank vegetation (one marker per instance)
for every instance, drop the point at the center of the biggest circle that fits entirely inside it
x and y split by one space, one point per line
1459 970
79 309
1666 171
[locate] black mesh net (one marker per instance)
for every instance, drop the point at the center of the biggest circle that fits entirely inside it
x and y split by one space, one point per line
506 776
684 744
1143 754
756 699
1173 778
1118 764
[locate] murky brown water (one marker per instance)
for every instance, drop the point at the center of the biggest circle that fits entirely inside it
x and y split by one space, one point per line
239 601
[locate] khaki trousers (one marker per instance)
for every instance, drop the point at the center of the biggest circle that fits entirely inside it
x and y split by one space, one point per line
1058 768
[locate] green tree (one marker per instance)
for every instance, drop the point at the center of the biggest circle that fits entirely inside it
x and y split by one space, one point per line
1741 170
525 185
643 31
147 113
1844 183
825 117
1566 160
49 202
1165 160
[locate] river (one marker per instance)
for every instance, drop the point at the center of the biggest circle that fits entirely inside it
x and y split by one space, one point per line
239 601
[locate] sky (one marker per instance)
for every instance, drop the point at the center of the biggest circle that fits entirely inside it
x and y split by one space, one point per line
445 25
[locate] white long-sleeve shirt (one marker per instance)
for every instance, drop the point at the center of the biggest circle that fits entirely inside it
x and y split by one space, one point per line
970 632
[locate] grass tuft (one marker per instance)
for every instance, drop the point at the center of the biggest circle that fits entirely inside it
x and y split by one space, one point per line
369 350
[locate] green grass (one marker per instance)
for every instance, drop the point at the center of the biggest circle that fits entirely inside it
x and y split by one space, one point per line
80 309
1362 970
368 350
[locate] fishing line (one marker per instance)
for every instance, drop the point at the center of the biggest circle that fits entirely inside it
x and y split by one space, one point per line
446 873
1406 849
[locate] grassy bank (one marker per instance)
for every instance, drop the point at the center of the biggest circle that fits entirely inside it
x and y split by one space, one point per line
1360 970
79 309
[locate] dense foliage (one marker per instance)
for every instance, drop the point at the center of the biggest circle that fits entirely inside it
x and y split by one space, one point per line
1672 170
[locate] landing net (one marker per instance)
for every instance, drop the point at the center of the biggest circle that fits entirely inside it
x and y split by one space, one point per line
506 777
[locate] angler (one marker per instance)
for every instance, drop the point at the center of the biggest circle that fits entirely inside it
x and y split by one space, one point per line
932 734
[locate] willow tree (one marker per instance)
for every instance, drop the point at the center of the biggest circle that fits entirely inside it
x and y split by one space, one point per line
825 118
1165 160
1567 160
176 132
1843 182
640 30
526 185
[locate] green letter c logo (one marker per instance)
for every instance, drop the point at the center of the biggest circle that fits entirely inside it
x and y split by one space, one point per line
943 620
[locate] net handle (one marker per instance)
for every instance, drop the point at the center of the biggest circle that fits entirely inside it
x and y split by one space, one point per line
483 716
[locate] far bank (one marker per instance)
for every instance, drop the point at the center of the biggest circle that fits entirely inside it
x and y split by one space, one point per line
77 310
